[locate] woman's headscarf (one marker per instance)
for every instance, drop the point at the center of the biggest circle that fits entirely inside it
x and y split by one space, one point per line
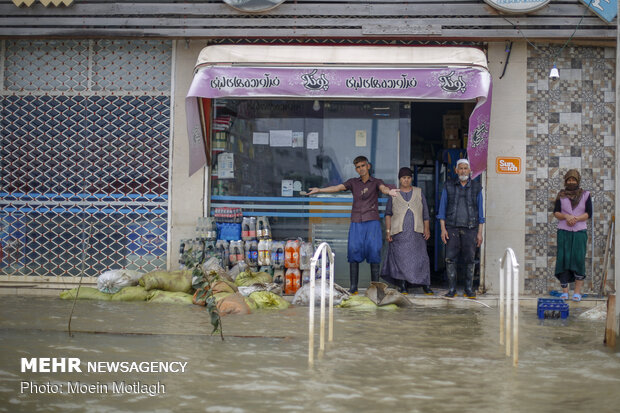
573 194
404 171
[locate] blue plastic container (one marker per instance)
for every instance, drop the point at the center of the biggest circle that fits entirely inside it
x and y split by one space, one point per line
551 308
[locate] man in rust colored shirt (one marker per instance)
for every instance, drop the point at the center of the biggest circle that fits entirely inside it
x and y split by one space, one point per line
365 238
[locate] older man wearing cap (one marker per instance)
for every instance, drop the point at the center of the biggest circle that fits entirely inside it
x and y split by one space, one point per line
461 217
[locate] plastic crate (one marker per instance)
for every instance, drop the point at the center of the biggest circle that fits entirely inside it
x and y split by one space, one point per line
228 231
552 308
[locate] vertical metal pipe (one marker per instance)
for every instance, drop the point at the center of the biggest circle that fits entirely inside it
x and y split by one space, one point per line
508 296
515 314
501 299
311 314
322 319
330 336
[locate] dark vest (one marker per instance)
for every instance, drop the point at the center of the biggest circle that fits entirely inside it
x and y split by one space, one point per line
462 207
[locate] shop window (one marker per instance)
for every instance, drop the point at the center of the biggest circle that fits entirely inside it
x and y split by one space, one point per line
267 153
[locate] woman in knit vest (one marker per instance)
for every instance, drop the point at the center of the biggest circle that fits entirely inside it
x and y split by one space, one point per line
573 207
407 230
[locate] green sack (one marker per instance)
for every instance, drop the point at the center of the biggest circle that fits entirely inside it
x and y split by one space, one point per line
247 278
133 293
224 286
358 301
176 281
251 303
266 299
169 297
86 293
388 307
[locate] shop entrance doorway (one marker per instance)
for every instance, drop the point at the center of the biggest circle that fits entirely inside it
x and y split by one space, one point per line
438 139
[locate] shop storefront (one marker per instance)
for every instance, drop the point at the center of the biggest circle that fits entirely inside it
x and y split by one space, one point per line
272 121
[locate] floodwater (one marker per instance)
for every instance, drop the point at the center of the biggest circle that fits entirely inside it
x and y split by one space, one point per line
424 359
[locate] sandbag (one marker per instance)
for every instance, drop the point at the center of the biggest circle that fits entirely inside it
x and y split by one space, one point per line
174 281
221 295
381 295
359 302
86 293
224 287
266 299
251 303
302 296
133 293
233 304
169 297
271 287
248 278
113 280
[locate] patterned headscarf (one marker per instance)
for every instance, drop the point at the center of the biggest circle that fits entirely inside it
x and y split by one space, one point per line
573 194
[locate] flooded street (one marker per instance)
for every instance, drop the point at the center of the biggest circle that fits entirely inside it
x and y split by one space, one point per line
422 359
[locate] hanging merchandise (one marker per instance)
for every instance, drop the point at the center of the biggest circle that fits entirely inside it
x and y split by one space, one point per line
291 253
292 281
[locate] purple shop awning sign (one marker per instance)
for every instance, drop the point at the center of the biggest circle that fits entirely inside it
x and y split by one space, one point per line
441 83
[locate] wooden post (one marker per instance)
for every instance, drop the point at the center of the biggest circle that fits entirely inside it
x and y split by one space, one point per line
610 333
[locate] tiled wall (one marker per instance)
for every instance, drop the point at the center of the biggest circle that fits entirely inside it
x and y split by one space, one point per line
570 124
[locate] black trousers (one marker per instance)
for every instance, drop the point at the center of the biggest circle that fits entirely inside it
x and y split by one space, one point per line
461 242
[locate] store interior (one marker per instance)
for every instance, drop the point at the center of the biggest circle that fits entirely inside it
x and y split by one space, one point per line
266 154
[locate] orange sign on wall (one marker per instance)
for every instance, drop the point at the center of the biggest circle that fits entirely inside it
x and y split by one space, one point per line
506 165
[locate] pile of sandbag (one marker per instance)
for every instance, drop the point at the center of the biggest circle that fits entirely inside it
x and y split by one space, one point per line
181 287
156 287
302 296
378 296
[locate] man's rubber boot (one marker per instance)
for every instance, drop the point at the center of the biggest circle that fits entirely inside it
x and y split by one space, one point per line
374 272
354 275
451 274
469 281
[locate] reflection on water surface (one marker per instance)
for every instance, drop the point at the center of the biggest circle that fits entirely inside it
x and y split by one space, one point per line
423 359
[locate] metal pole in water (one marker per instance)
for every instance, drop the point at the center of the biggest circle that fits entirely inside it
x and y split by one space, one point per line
515 314
323 251
322 333
311 315
508 296
501 300
330 336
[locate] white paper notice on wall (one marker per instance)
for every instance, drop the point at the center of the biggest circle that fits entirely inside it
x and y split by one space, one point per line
360 138
260 138
298 139
281 138
287 187
313 140
226 165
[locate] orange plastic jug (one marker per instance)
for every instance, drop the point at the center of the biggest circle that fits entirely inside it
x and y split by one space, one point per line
292 281
291 254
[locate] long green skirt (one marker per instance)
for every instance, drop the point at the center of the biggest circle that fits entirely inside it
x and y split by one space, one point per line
571 252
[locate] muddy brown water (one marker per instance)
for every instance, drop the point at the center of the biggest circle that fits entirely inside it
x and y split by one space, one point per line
423 359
